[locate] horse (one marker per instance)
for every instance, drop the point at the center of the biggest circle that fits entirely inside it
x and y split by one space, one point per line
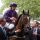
23 25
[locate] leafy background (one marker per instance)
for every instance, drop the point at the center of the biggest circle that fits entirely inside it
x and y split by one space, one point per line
32 5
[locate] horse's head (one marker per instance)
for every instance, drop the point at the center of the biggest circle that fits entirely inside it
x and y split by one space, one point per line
23 18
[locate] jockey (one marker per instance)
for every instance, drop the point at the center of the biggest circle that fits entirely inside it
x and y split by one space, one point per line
11 15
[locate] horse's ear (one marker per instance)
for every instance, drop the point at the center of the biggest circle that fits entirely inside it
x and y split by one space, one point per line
23 11
28 12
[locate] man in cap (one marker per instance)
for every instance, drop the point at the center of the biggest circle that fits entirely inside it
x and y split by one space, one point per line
11 15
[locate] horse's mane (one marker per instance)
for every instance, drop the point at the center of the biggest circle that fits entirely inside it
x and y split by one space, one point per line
18 19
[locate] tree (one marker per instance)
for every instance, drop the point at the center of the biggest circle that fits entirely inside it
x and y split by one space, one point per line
32 5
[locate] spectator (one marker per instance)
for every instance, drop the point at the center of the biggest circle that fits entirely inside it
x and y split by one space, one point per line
3 34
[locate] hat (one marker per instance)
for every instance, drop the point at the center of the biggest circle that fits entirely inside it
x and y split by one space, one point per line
13 4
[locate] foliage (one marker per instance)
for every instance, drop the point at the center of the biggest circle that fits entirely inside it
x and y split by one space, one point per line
32 5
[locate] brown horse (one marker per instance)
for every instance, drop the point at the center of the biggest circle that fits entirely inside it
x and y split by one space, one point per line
23 24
